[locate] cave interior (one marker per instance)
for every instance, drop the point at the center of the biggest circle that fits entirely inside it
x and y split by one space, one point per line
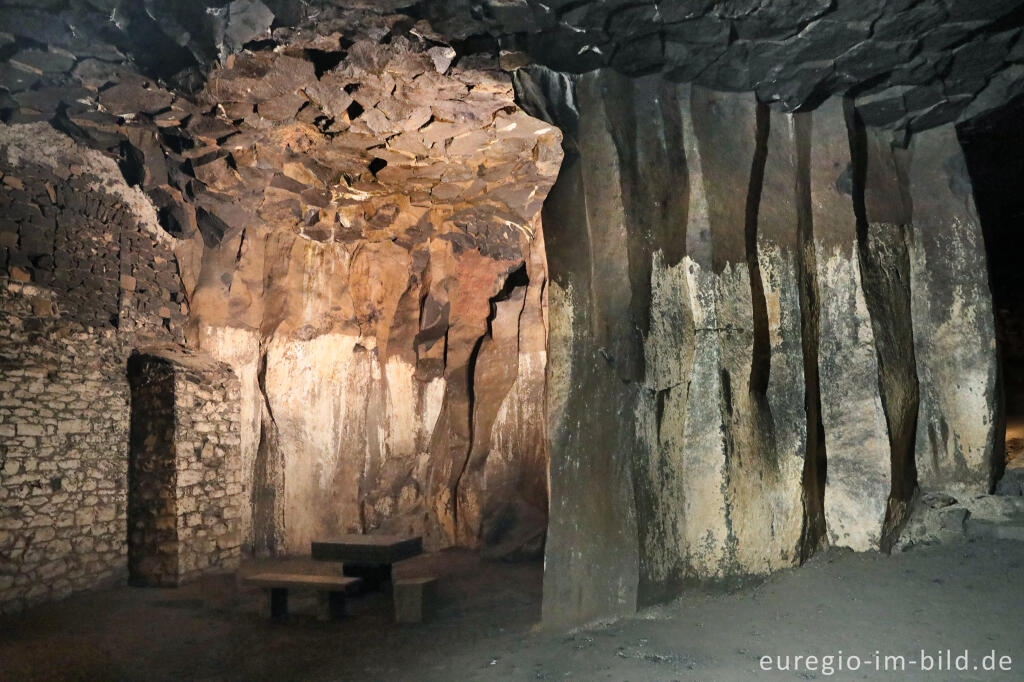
608 306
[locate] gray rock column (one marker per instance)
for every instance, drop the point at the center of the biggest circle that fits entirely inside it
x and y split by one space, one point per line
954 334
859 477
591 561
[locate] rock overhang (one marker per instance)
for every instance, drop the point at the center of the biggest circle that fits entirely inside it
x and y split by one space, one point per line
389 144
909 65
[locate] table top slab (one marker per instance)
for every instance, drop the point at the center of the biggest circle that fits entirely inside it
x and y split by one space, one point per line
367 549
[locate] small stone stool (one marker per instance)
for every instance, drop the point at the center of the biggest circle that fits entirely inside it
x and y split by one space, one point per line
414 598
220 590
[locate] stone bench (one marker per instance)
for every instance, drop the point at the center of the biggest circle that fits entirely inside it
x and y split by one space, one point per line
331 591
414 598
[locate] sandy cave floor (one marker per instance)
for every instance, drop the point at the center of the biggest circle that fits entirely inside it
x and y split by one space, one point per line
956 596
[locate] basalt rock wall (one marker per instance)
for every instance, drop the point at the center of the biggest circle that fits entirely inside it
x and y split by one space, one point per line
369 258
752 324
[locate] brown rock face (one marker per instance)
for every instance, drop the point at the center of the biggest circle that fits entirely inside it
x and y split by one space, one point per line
368 260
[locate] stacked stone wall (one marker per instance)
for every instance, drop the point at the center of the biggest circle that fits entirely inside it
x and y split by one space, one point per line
86 276
63 452
107 268
185 468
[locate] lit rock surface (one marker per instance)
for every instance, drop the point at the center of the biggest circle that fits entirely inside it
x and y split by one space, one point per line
362 225
735 298
353 219
954 335
762 332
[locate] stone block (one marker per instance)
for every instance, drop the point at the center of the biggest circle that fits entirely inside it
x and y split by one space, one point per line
73 426
29 430
415 599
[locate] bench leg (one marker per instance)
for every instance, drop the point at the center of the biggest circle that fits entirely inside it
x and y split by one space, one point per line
408 603
277 602
330 605
376 577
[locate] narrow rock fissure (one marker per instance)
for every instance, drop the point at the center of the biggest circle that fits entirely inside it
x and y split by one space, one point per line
515 279
760 365
884 264
267 524
813 532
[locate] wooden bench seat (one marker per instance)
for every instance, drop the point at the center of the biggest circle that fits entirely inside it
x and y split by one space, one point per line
331 590
415 598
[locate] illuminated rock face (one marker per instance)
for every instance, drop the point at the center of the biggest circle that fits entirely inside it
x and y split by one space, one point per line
355 220
368 257
748 315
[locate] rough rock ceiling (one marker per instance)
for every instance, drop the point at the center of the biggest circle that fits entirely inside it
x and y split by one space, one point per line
909 63
352 124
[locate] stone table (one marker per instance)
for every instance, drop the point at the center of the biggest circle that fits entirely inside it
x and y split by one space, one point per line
369 557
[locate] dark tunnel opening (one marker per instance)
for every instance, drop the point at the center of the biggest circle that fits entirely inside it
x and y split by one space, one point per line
994 149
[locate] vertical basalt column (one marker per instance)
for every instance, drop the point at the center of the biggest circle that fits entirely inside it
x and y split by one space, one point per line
859 469
591 560
959 422
731 134
663 192
883 211
726 129
697 499
788 393
748 324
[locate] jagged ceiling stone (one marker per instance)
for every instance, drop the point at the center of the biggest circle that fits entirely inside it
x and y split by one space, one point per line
909 64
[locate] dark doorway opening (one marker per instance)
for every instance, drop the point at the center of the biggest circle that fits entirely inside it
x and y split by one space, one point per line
152 518
994 148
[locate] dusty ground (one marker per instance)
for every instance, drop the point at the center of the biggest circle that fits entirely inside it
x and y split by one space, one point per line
952 597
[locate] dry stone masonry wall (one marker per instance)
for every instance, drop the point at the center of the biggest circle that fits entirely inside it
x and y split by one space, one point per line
63 452
89 276
185 469
72 225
